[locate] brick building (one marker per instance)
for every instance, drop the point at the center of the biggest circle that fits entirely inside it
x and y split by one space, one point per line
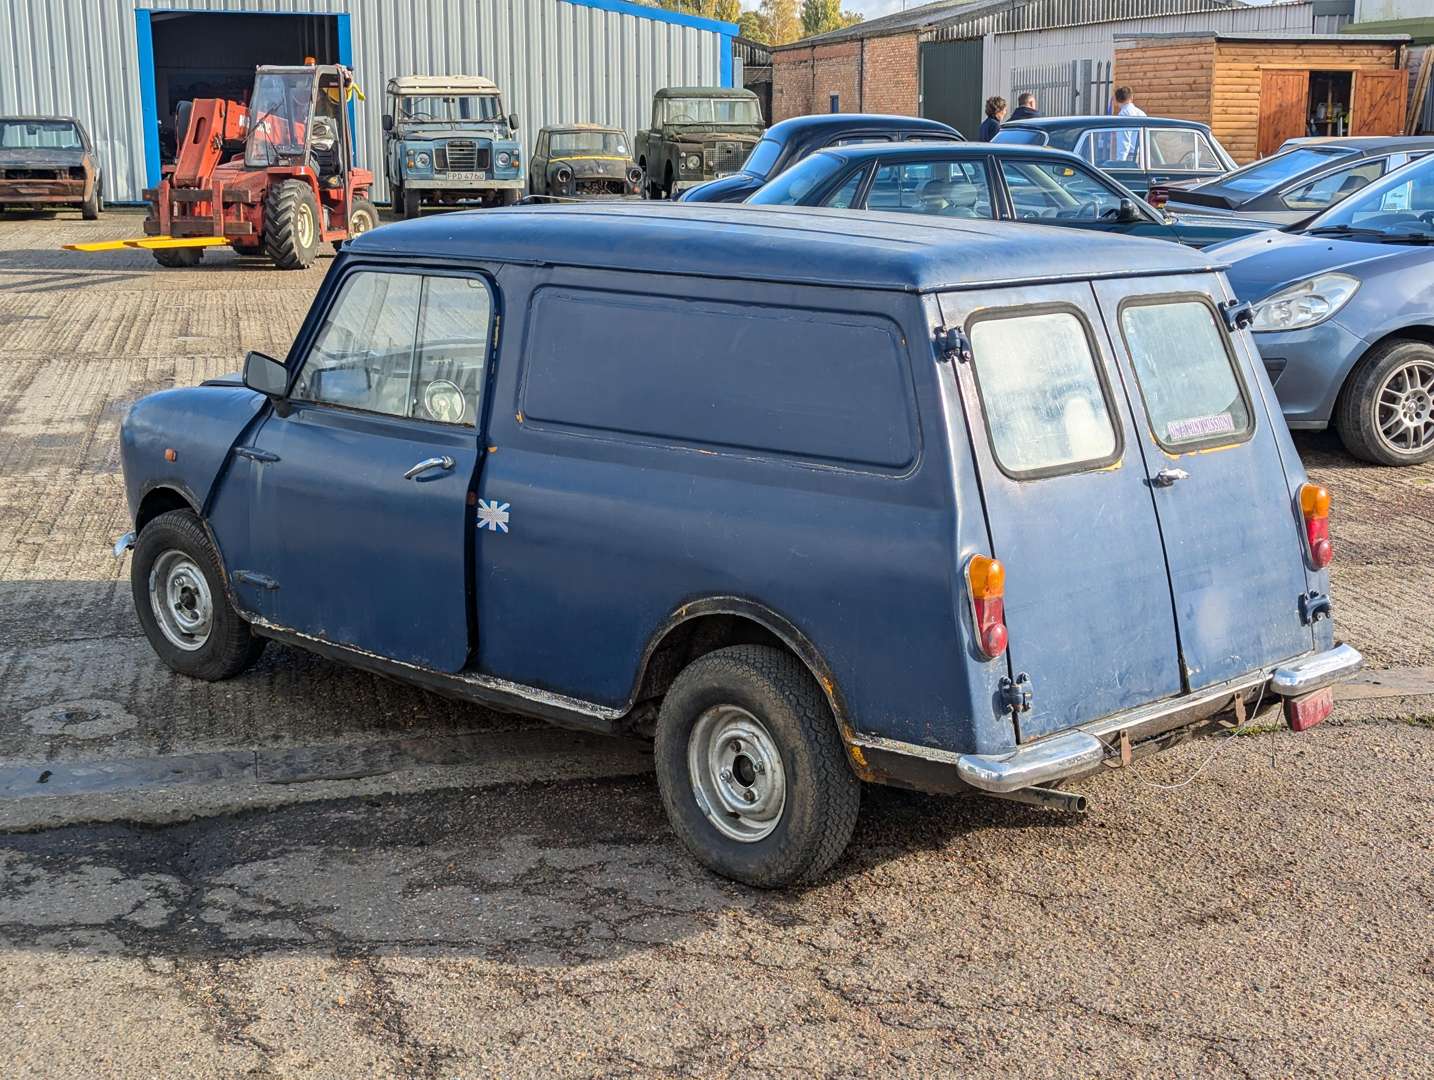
944 59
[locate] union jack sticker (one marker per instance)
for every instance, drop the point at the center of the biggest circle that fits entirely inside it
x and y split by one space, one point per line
492 515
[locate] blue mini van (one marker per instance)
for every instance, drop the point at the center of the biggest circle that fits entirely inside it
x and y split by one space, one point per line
812 499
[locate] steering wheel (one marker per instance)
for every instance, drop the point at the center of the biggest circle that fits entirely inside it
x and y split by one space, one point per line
680 117
420 115
1189 160
1089 209
1111 214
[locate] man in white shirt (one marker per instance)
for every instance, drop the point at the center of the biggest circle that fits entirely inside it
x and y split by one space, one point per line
1127 141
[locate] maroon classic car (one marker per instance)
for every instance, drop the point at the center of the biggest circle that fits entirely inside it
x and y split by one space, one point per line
48 162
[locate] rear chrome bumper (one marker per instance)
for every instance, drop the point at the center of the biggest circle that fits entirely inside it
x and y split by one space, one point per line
1082 749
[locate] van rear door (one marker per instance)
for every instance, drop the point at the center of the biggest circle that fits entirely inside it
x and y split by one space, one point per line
1087 600
1227 511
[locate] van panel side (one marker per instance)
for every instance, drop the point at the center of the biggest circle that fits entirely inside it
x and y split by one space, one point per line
608 536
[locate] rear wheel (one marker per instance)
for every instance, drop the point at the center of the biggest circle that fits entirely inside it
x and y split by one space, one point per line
752 771
178 258
291 225
179 596
363 216
1386 410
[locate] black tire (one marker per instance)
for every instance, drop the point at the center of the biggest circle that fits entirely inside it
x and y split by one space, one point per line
178 258
412 204
289 239
1357 416
822 794
363 216
90 208
228 647
667 183
509 197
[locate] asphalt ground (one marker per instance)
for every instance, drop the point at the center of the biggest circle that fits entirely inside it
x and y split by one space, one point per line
310 871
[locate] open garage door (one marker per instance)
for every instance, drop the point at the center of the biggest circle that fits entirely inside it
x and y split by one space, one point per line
212 54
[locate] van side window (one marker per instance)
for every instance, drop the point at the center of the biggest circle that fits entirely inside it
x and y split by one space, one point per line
1046 405
823 386
403 345
1186 374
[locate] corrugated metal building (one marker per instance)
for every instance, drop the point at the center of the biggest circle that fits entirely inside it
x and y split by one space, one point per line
117 65
1068 68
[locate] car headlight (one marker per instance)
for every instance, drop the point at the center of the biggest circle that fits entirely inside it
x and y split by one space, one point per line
1305 303
505 159
694 161
424 160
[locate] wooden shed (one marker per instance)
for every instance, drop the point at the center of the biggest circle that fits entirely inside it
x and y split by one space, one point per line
1257 90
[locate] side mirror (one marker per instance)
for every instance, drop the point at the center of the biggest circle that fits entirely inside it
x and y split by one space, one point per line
1128 214
513 120
265 375
388 121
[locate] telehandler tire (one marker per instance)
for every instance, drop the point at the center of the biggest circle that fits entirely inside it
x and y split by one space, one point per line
178 258
291 225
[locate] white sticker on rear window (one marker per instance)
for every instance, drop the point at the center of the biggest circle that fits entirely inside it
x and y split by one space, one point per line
1200 427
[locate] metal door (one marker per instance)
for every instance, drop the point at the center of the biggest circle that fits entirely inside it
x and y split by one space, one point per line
1087 596
1228 515
951 84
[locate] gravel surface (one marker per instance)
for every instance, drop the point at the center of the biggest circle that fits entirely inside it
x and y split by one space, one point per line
1265 911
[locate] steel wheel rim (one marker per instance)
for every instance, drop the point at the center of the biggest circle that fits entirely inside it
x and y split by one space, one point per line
180 599
360 223
737 775
1404 407
304 226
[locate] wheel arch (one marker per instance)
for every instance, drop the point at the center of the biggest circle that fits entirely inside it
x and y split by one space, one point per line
161 499
702 626
1417 331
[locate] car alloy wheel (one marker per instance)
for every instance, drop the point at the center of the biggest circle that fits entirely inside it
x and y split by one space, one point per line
180 599
736 772
1404 404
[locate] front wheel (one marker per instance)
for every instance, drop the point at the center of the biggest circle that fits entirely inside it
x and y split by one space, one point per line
291 225
178 589
1386 411
178 258
90 208
751 768
412 204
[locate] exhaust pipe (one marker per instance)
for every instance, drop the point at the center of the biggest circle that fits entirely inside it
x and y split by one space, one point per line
1069 801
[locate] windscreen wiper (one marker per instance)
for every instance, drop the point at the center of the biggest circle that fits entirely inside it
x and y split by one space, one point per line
1344 230
1407 238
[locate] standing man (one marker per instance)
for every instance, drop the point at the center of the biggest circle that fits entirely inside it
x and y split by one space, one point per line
1128 140
995 113
1025 107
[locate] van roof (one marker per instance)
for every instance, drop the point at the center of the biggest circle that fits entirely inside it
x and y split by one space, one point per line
796 245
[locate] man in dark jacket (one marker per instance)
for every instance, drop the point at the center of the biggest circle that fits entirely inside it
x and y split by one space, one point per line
1025 107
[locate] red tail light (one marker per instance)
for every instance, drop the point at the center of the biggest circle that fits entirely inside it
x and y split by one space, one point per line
986 582
1314 504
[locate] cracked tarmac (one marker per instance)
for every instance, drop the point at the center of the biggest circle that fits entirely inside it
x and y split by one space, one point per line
528 913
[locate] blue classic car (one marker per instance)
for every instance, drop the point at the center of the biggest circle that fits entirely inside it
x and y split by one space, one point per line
1344 316
983 180
785 144
1139 151
811 498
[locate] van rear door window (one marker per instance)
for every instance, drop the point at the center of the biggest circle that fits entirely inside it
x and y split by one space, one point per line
826 386
1186 373
1047 406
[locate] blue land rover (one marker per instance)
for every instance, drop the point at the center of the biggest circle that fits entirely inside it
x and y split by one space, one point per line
811 498
447 141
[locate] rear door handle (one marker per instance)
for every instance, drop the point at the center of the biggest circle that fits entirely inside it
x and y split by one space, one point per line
1167 477
445 463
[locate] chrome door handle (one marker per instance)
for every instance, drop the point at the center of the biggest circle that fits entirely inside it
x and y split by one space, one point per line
445 463
1167 477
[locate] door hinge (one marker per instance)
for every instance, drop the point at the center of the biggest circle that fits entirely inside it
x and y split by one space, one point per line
953 344
253 453
1314 606
1238 314
249 577
1016 696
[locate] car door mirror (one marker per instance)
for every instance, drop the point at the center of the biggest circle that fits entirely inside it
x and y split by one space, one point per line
388 121
513 120
1129 213
265 375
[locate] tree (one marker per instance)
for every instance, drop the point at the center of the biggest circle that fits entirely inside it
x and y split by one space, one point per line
754 25
729 10
819 16
783 22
